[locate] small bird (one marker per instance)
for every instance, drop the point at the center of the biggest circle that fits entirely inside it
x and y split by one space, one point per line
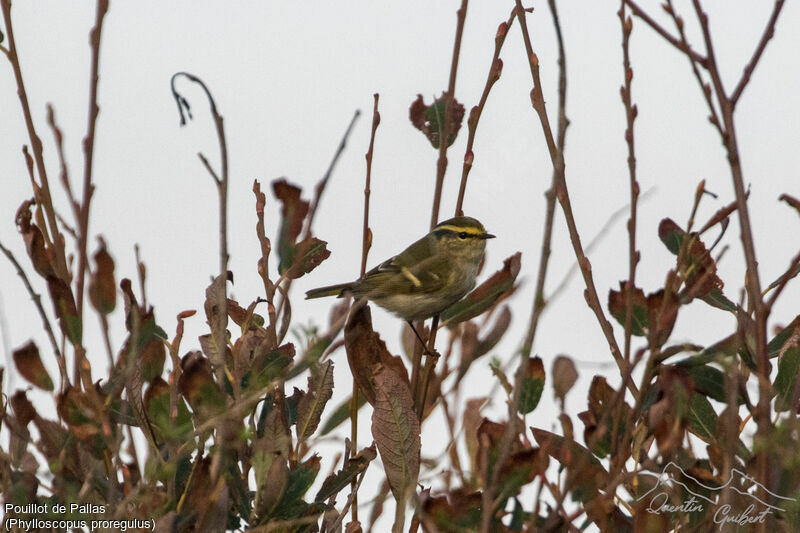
427 277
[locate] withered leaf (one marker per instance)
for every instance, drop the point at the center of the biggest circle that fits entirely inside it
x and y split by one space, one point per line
365 351
274 487
216 293
34 241
293 212
564 376
699 268
102 285
618 307
473 347
245 317
309 409
585 473
306 256
197 385
29 365
472 419
431 119
395 428
492 291
23 408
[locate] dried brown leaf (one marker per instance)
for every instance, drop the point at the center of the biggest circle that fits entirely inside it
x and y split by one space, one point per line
396 430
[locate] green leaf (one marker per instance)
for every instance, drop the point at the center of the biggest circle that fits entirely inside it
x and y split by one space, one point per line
671 235
488 293
309 409
355 466
715 298
708 381
786 380
775 346
267 367
532 386
65 309
300 479
309 357
702 418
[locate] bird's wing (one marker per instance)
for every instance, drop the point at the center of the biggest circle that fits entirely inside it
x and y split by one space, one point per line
395 277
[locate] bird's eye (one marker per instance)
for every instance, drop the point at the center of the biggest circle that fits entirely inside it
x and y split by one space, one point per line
462 235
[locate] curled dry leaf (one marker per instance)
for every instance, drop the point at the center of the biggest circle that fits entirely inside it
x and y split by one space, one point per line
197 385
102 285
366 352
564 376
396 428
34 241
306 256
293 212
29 365
23 408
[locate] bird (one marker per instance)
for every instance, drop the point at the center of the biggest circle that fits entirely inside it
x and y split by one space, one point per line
427 277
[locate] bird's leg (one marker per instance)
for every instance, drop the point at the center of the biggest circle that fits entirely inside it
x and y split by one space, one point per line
422 342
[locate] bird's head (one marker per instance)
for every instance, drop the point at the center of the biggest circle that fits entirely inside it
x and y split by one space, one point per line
463 238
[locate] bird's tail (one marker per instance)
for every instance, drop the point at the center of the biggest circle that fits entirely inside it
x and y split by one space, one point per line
330 290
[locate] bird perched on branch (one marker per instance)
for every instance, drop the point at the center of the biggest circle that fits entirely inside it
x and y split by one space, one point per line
427 277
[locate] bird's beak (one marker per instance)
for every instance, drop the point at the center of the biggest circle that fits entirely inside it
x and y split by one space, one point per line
487 236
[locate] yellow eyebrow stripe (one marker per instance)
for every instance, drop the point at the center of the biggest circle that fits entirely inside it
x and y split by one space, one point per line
461 229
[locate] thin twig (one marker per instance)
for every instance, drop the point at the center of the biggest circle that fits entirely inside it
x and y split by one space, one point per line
320 188
633 254
769 32
562 194
88 152
658 28
704 88
366 243
539 300
495 70
221 182
449 98
312 210
37 300
43 197
753 285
